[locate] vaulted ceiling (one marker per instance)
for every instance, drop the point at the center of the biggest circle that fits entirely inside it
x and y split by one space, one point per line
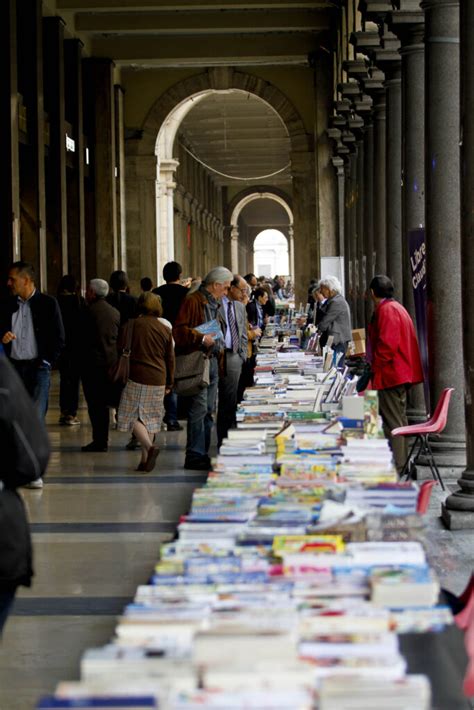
232 132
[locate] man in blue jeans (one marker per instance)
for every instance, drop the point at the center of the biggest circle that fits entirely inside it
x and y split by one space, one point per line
200 307
32 332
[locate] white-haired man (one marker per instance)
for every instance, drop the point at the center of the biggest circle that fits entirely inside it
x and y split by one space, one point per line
198 308
336 320
100 327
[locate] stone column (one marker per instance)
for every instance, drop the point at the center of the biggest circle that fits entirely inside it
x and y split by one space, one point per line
10 163
56 186
120 177
142 221
307 251
339 165
443 228
165 212
413 166
393 85
347 228
459 507
99 89
380 160
360 206
291 243
76 231
368 213
30 86
234 250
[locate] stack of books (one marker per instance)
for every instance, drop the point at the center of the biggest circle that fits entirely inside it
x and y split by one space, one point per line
299 563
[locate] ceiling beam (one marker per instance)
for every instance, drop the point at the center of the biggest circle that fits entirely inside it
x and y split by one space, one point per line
196 51
172 5
192 23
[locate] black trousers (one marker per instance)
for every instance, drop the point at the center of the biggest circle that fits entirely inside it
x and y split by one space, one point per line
97 393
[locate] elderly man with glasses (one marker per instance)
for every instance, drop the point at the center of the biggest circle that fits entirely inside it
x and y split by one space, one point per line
235 354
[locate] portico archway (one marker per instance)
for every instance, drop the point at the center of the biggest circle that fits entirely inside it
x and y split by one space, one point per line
149 175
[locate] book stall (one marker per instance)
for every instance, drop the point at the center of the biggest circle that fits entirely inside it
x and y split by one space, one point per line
298 579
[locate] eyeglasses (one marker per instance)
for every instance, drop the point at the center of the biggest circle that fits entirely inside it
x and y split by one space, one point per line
243 290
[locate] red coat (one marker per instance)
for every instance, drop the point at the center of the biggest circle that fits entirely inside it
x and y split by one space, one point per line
395 353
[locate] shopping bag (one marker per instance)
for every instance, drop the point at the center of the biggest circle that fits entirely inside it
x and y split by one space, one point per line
191 373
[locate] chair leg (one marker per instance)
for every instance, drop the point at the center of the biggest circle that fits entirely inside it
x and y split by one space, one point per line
406 468
433 464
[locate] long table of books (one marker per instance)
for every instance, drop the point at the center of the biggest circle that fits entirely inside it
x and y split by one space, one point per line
297 581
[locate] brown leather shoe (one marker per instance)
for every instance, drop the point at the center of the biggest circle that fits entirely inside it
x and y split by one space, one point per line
150 462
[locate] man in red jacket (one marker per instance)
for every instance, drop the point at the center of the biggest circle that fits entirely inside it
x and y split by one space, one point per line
396 362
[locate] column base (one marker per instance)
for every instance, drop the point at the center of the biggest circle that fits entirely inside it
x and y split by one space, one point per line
458 509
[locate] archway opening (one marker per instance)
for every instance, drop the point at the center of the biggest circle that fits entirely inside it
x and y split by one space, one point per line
223 131
271 254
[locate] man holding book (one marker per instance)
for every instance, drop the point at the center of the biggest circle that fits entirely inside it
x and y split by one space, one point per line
202 306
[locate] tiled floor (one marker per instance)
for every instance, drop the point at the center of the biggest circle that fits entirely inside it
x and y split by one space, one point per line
97 526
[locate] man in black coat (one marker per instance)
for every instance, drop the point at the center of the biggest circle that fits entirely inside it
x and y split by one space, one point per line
99 332
32 332
25 453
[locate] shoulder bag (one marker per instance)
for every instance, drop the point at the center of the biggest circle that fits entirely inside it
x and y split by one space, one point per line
191 373
119 372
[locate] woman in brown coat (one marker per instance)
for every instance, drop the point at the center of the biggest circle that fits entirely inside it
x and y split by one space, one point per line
151 377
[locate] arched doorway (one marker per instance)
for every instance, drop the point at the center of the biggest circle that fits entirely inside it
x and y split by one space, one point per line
271 256
284 223
142 174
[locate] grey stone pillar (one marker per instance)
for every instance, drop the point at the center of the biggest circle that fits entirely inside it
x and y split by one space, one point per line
347 228
409 27
380 159
307 250
443 228
459 508
339 165
413 169
394 176
10 164
360 285
368 212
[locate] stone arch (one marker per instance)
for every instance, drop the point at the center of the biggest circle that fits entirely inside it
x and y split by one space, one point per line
145 213
240 204
222 79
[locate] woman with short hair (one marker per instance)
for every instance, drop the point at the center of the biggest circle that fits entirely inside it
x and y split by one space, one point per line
151 376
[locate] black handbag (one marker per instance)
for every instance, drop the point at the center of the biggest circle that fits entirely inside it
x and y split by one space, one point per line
119 372
191 373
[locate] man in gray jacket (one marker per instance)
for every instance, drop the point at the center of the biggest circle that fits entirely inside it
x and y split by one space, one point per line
336 321
234 313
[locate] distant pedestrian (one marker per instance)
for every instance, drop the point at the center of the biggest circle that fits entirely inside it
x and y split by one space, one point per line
146 284
72 305
141 406
99 333
336 319
172 294
120 298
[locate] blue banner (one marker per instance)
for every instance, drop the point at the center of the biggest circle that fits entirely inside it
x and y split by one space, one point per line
417 249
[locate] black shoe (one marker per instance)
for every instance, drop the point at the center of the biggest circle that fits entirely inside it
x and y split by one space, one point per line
94 446
133 444
202 464
176 426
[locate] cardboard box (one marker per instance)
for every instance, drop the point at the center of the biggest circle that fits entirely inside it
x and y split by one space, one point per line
357 345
